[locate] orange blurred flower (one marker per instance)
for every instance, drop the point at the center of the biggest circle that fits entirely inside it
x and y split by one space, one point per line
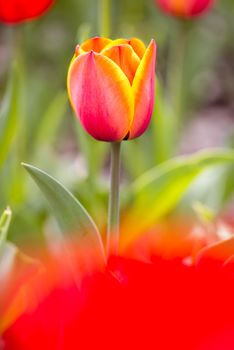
17 11
185 8
111 87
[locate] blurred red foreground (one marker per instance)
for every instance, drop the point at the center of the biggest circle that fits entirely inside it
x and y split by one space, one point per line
158 303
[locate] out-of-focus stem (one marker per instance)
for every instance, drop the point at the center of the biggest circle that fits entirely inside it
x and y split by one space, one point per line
17 189
15 34
175 78
113 210
105 18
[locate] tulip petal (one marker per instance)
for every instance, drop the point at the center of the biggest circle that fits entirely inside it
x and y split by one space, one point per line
117 42
77 50
101 96
164 4
200 7
137 45
125 58
180 7
185 9
95 44
143 91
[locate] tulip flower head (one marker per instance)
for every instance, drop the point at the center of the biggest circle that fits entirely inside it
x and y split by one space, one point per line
111 87
17 11
185 8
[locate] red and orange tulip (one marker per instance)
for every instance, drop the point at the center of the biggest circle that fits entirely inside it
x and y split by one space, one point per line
185 8
17 11
158 303
111 87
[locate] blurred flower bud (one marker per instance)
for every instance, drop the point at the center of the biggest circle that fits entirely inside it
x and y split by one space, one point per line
17 11
185 8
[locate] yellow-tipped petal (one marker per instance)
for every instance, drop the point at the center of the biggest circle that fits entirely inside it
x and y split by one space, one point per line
125 58
137 45
77 50
143 91
96 44
101 96
116 42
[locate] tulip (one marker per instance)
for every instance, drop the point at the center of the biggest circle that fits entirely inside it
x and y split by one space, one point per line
130 304
17 11
153 299
185 8
111 87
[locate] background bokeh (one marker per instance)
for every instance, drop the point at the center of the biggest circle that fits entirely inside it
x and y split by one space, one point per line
194 108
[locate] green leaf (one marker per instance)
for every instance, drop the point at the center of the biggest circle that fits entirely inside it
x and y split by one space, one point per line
204 214
163 125
140 147
51 120
5 220
159 190
70 214
9 113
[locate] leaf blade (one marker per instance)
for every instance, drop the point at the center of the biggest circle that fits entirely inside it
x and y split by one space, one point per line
161 188
69 212
5 221
9 113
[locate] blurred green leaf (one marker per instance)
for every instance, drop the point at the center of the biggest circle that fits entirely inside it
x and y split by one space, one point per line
204 213
229 184
5 220
163 126
51 120
84 32
159 190
9 113
70 214
140 147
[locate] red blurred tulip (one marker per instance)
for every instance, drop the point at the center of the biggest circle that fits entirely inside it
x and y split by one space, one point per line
131 304
185 8
111 87
17 11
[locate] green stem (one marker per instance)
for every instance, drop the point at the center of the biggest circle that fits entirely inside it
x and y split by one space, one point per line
175 78
105 18
113 210
16 38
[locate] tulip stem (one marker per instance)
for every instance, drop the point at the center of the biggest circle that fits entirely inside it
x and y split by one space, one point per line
104 18
175 78
113 210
